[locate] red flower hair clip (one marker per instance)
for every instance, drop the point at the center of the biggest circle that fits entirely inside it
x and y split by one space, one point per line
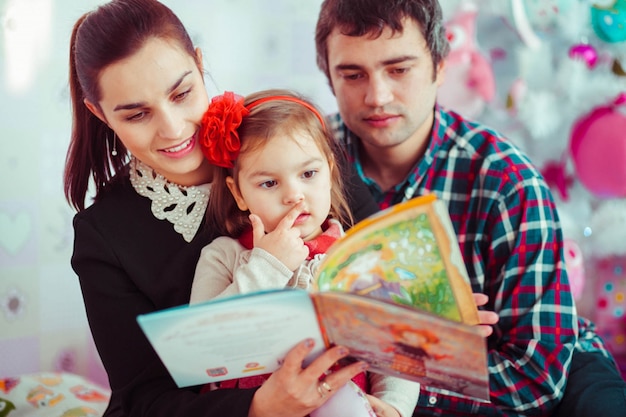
219 139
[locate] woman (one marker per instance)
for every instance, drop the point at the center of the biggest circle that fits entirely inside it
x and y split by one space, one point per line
138 98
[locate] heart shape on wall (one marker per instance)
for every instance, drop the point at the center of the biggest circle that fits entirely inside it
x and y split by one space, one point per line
14 231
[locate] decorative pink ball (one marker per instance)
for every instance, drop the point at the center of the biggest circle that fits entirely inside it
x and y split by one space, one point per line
598 149
584 52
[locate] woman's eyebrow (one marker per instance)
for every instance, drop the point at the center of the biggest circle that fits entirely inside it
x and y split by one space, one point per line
178 82
173 87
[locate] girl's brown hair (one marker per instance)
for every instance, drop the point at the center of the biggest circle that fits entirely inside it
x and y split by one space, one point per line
110 33
265 121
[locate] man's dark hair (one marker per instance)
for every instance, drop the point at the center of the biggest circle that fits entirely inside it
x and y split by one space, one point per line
371 17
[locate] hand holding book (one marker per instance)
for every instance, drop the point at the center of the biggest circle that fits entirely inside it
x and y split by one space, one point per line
486 318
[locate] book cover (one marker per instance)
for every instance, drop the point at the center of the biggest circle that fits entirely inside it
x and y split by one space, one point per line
231 337
408 254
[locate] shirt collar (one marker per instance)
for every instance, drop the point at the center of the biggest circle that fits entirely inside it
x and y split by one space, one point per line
406 188
182 206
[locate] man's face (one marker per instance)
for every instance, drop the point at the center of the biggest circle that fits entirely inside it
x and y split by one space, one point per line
384 86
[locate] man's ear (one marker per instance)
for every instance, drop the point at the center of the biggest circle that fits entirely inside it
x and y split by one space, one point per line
234 190
440 73
95 110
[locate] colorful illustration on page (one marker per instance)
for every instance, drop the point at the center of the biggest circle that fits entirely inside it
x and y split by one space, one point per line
401 262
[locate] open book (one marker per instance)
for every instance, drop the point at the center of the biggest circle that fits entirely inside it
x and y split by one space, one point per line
393 290
408 254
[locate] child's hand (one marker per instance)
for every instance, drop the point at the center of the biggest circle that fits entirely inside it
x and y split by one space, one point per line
284 242
381 408
486 318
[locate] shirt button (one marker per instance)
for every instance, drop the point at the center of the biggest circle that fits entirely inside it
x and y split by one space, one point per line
432 400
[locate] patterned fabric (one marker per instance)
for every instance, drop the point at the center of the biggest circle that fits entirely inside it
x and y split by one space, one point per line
510 237
52 395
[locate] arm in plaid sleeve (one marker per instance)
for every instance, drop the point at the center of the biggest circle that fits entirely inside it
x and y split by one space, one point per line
511 240
512 245
525 277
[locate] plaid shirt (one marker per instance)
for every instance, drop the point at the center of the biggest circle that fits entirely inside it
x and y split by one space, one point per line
510 237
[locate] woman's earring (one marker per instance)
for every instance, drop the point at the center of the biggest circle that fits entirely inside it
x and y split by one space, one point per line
114 150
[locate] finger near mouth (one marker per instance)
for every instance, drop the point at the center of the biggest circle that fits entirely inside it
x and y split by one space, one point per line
302 217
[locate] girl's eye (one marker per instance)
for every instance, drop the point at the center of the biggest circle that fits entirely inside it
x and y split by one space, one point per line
268 184
309 174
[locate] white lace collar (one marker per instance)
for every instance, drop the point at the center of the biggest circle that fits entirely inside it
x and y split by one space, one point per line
184 207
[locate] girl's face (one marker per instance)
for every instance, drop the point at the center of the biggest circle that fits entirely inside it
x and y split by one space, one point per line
286 170
154 101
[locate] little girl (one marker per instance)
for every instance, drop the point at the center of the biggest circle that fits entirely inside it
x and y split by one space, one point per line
278 198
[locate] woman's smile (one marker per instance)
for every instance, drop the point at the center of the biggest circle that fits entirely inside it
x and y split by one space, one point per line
181 149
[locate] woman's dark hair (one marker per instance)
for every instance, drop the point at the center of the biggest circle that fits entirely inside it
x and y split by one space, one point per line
371 17
108 34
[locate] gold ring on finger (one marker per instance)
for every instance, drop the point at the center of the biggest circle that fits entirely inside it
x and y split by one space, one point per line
321 390
326 386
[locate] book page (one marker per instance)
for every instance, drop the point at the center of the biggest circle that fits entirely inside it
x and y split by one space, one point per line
407 254
232 337
404 342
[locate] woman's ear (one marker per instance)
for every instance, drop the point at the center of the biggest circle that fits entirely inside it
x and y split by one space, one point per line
234 190
95 110
199 62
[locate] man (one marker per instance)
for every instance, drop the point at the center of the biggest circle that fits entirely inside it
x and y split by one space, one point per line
385 61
